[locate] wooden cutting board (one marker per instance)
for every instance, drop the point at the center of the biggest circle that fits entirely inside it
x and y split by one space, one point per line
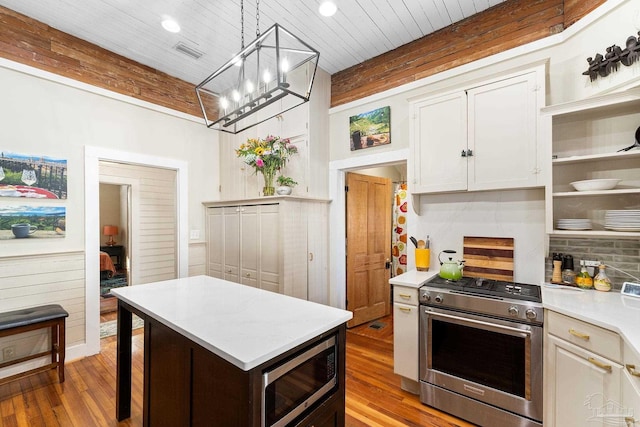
489 257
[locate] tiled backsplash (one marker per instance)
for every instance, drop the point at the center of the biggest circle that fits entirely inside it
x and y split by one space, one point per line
620 253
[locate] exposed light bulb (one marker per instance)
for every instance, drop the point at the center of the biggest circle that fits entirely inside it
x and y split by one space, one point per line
266 76
327 8
224 102
237 61
235 95
249 86
170 25
284 66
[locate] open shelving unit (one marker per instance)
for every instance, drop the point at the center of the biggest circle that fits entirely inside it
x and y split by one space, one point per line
584 139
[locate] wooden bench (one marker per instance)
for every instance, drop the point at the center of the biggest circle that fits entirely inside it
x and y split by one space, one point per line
29 319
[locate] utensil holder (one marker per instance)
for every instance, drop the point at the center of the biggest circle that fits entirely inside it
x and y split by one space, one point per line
422 259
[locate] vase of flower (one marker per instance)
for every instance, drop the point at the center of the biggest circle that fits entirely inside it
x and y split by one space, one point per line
267 156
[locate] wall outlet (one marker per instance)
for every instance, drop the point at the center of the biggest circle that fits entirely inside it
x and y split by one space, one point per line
591 263
9 353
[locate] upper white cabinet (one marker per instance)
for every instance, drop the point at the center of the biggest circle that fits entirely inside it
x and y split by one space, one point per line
306 126
583 140
479 138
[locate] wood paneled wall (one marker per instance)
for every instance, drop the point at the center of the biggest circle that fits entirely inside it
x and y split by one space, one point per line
502 27
33 43
154 219
29 281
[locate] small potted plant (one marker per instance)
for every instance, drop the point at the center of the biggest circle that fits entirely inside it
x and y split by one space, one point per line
285 185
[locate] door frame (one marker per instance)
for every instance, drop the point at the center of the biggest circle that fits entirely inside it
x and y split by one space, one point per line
92 157
337 180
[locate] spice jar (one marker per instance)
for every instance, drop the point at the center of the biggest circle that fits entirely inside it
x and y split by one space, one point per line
568 274
583 280
602 282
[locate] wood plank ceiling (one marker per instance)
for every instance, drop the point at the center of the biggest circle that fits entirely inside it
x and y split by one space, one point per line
361 29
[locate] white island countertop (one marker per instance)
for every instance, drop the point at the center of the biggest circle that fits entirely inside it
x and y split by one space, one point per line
609 310
243 325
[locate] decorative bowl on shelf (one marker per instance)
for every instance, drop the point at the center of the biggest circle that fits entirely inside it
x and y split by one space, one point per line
595 184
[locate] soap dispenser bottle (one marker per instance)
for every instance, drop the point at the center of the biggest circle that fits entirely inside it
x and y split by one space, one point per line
602 282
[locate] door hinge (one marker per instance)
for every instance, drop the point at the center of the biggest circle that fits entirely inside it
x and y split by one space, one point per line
220 188
387 264
346 188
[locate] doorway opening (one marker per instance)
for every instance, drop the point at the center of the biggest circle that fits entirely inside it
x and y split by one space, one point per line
115 200
370 235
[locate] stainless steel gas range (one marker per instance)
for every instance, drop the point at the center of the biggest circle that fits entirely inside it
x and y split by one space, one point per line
481 350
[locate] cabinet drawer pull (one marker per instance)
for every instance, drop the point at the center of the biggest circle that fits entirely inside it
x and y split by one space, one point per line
599 364
405 310
579 334
404 296
632 370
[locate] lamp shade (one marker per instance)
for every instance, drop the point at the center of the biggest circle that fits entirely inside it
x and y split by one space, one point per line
110 230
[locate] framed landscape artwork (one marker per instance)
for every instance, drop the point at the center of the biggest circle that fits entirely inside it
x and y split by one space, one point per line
370 129
33 177
32 222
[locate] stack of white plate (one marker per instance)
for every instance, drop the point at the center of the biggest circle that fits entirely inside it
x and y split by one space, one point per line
574 224
622 220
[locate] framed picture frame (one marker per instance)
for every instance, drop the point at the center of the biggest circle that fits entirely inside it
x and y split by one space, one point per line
370 129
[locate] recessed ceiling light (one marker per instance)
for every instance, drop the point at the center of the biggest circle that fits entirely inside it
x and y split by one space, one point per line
327 8
170 25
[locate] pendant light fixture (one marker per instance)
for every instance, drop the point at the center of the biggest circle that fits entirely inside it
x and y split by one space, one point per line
272 74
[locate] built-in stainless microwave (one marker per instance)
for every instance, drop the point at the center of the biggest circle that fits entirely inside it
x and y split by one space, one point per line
292 387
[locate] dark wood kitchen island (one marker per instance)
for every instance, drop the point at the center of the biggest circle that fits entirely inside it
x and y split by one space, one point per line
218 353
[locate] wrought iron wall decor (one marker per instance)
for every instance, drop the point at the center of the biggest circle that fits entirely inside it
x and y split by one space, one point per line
602 66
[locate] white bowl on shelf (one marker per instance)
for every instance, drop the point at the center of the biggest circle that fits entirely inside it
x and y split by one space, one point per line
595 184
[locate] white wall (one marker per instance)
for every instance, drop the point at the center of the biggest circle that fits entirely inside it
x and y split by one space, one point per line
44 114
110 212
518 214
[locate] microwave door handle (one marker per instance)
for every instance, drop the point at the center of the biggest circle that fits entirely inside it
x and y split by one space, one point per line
486 325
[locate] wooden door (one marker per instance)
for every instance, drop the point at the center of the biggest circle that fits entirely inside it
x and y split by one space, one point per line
215 239
231 269
368 247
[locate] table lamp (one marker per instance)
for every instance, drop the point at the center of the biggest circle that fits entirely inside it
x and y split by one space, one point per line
110 230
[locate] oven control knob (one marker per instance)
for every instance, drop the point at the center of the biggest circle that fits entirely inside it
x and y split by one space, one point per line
438 298
531 314
513 311
426 297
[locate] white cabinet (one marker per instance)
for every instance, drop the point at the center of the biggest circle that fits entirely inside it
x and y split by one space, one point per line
480 138
278 244
406 336
631 388
582 373
583 140
306 126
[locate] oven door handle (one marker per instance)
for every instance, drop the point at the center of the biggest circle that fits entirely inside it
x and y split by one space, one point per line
486 325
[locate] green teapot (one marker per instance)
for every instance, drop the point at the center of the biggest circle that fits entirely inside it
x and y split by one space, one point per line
451 270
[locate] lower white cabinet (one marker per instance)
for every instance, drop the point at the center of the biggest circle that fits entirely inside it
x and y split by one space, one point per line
631 388
405 336
583 374
278 244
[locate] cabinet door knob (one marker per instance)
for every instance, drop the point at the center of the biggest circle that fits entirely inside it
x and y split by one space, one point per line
464 153
600 365
579 334
632 370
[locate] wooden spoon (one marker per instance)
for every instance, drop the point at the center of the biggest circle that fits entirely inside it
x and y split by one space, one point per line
421 244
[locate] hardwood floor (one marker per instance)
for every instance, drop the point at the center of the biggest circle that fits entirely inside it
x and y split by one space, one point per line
87 397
